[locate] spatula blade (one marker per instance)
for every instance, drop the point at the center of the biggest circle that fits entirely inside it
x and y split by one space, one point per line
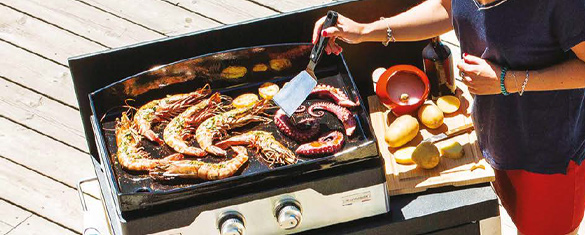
291 96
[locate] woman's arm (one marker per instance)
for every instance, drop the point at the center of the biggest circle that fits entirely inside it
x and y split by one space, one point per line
482 76
428 19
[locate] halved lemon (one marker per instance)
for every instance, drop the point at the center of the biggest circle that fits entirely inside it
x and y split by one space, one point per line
268 90
245 100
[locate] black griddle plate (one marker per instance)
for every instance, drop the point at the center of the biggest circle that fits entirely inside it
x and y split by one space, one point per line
136 190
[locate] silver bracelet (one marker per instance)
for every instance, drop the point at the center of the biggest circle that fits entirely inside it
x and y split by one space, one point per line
389 36
524 84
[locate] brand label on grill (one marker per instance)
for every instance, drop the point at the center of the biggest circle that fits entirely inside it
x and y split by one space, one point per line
356 198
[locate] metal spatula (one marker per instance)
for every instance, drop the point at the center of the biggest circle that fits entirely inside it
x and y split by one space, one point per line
291 96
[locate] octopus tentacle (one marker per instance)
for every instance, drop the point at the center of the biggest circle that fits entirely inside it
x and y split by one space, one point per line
301 109
343 114
340 98
285 125
317 113
328 144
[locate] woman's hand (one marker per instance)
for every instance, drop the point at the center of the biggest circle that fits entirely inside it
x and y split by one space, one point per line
346 30
482 77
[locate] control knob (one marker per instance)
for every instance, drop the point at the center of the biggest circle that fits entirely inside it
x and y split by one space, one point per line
289 215
231 224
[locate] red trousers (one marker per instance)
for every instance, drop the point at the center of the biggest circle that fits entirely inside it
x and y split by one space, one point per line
543 204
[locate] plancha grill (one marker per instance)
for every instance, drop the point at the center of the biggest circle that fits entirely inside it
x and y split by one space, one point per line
258 199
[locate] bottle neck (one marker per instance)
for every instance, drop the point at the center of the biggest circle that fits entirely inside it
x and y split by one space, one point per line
439 47
436 41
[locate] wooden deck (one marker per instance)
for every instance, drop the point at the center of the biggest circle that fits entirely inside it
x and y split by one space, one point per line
43 152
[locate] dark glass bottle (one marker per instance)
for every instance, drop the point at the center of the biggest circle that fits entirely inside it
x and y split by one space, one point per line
438 65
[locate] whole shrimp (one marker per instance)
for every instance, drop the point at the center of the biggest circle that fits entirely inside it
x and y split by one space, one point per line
164 109
182 127
272 151
195 169
218 125
129 154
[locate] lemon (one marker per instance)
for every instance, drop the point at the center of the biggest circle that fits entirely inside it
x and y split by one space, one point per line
268 90
245 100
233 72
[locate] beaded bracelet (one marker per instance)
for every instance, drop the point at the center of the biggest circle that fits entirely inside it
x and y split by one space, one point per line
502 76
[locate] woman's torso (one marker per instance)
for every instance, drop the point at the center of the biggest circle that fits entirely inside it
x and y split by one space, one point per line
539 131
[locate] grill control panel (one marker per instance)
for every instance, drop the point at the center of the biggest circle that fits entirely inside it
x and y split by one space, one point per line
289 213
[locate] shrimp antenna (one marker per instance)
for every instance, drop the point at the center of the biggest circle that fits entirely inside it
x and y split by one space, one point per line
129 107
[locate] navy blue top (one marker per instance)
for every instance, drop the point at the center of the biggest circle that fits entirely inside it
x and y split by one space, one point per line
539 131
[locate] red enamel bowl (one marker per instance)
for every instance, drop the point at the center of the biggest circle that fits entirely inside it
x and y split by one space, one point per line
399 80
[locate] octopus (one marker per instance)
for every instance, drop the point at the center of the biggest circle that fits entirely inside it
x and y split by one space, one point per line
327 144
194 169
164 109
338 96
343 114
272 151
129 154
303 131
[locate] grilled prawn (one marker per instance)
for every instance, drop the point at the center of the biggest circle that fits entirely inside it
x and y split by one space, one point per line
218 125
182 127
130 155
164 109
272 151
195 169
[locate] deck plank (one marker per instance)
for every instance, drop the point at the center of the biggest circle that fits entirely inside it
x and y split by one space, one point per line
41 114
41 195
225 11
155 14
12 215
42 154
36 225
291 5
5 228
34 72
86 21
42 38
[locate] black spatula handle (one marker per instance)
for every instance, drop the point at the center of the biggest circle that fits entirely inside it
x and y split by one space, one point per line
330 20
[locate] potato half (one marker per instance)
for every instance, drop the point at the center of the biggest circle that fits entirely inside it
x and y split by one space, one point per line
448 103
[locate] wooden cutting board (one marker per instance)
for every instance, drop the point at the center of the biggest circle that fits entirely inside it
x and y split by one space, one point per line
405 179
